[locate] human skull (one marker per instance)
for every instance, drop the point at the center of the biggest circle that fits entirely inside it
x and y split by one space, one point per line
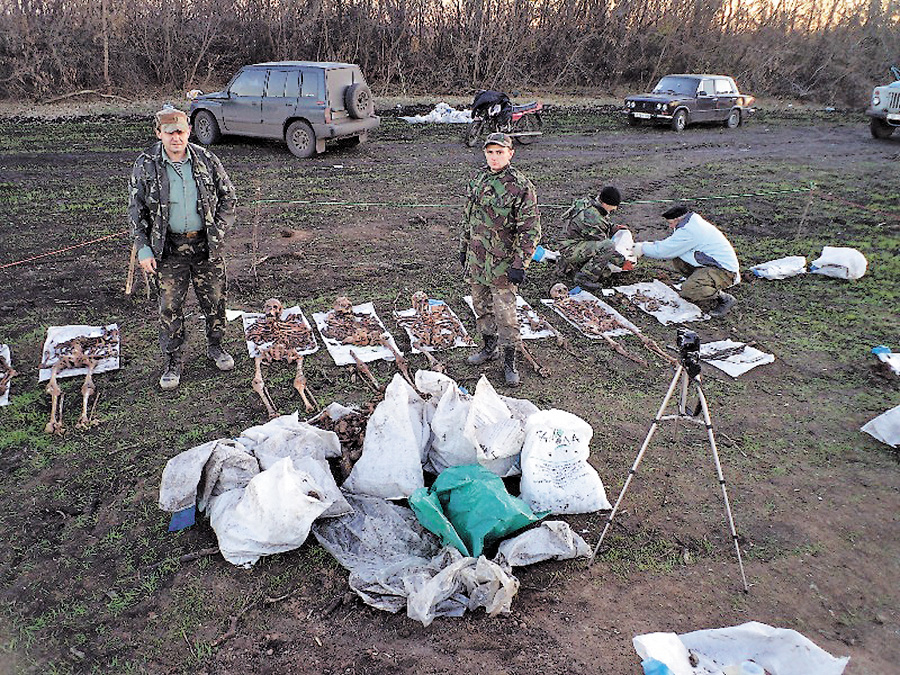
420 302
343 305
273 308
559 291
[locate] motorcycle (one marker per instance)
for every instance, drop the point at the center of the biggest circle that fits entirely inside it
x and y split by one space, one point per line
492 111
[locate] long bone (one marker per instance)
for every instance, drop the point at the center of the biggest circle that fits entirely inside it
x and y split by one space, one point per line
301 386
259 386
87 389
55 424
402 364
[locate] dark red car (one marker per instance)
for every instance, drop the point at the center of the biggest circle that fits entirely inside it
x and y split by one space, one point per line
679 100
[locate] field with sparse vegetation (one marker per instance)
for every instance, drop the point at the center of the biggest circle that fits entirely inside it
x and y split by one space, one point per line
91 581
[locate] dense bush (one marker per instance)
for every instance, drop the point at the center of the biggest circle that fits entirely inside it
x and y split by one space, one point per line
830 50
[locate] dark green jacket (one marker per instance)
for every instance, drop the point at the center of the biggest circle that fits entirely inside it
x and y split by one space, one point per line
502 225
148 209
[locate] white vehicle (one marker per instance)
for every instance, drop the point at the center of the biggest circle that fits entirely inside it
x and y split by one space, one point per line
885 107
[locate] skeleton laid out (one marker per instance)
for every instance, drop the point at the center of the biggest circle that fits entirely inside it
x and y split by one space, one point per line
7 373
280 335
592 319
432 326
65 358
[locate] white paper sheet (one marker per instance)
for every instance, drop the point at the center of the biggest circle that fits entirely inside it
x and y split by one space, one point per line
526 332
255 349
59 334
585 296
340 352
885 427
737 364
672 309
4 391
462 338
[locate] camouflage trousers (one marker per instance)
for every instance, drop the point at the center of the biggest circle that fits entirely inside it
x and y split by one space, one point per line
590 259
703 283
495 313
185 262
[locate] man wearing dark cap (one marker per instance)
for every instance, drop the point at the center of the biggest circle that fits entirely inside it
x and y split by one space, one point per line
500 232
700 252
182 201
588 248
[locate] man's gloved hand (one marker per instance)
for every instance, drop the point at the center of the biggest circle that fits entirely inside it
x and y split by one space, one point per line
462 258
639 248
515 275
627 266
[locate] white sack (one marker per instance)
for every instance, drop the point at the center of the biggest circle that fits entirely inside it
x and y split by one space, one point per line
885 427
449 446
272 514
493 430
782 268
556 475
181 475
553 540
839 262
432 383
395 442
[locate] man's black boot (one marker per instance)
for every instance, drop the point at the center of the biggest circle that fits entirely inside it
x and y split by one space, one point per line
488 353
585 282
724 303
510 374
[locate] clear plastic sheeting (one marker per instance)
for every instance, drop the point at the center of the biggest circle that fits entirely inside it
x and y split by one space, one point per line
396 441
395 563
552 540
781 651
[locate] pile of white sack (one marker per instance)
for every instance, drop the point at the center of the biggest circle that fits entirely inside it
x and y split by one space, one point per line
267 489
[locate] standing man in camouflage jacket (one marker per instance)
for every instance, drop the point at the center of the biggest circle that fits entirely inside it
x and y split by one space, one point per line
588 249
182 201
501 230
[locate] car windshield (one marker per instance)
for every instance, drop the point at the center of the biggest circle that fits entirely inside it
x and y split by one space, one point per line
671 84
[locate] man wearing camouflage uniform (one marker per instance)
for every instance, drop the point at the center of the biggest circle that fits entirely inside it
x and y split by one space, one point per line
182 201
588 249
501 230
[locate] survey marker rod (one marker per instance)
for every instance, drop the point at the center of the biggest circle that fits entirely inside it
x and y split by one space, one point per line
637 460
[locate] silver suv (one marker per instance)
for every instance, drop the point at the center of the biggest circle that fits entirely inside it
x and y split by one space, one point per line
885 107
303 102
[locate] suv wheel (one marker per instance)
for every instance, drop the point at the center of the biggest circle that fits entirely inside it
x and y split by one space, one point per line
206 129
880 128
734 119
300 139
679 120
358 101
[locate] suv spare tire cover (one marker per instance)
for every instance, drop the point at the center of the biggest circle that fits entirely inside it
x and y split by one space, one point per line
358 100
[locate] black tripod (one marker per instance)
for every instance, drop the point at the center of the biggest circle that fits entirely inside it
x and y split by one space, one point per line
688 372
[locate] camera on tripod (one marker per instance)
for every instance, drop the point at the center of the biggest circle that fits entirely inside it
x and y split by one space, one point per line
688 343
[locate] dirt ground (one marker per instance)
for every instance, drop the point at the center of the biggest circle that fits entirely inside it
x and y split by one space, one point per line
92 582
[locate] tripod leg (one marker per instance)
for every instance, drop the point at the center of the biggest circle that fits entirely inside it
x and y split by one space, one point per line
637 460
721 477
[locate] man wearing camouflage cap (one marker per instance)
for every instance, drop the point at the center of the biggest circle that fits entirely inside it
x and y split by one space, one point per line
182 201
501 231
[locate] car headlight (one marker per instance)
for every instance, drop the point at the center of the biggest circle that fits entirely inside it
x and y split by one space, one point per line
876 100
659 106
